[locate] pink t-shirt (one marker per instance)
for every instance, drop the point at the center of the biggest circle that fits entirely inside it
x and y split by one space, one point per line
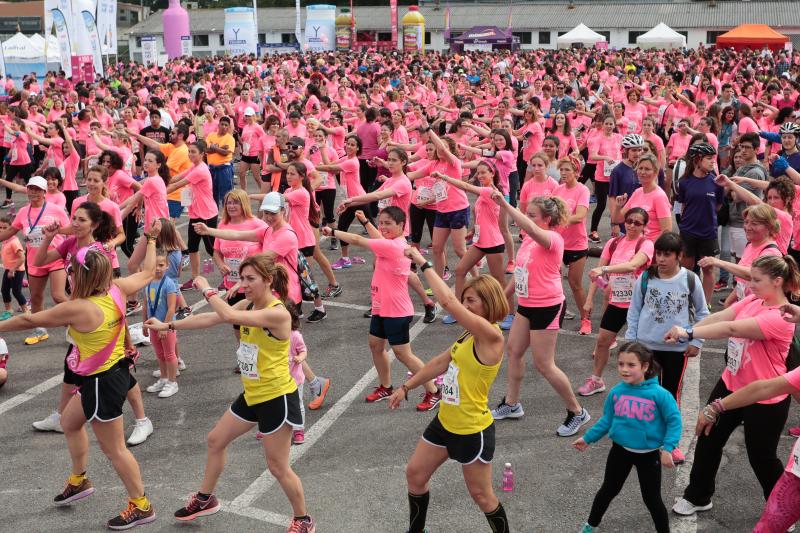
534 136
657 206
456 199
487 221
625 250
10 254
793 378
18 153
127 156
575 236
759 359
299 201
401 187
32 222
537 272
283 242
506 163
750 254
678 144
251 136
390 298
154 193
296 346
234 252
56 198
610 146
119 186
350 177
203 204
533 189
787 228
69 170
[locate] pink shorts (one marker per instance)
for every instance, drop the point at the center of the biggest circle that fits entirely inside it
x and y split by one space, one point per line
164 348
44 271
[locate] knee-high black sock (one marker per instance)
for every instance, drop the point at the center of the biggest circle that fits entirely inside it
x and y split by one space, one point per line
418 510
497 520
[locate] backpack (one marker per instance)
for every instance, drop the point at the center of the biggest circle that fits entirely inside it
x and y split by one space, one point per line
307 283
613 246
690 281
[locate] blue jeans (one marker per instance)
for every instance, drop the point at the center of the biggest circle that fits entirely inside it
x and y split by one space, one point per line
221 180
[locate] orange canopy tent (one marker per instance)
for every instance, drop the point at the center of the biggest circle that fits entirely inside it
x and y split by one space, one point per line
753 36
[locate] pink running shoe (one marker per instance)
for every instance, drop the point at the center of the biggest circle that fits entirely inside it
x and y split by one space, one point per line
356 260
592 386
298 436
342 263
795 431
586 327
677 456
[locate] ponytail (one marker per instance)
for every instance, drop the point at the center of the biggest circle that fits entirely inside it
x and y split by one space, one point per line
784 267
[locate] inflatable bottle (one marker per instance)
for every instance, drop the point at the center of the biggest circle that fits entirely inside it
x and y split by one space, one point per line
176 25
413 30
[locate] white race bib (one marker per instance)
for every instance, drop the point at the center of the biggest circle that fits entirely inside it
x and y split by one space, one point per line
621 288
324 176
608 167
735 353
233 263
13 154
246 149
247 358
796 458
424 194
440 191
476 233
521 281
186 196
35 237
384 203
451 393
741 288
631 126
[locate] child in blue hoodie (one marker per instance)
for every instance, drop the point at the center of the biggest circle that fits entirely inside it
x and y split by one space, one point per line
642 419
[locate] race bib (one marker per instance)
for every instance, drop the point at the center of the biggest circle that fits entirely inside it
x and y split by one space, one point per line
735 353
608 167
186 196
35 237
521 281
476 235
741 289
13 154
424 194
622 288
440 191
233 263
324 176
451 393
631 126
384 203
247 358
796 458
246 149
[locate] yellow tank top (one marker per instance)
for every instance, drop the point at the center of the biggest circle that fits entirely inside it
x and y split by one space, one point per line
264 362
90 343
464 408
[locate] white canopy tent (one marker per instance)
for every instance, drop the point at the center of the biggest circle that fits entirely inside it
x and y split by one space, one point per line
580 34
662 36
23 56
53 52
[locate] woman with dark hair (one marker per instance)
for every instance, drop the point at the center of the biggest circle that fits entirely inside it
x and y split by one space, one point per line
369 134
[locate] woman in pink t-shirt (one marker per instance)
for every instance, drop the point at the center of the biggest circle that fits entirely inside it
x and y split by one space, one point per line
325 191
605 150
537 182
759 340
540 308
567 144
621 262
649 197
392 309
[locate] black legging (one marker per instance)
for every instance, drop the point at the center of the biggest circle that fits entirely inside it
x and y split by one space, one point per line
367 175
419 217
763 425
131 228
326 198
14 285
618 466
673 365
70 196
601 194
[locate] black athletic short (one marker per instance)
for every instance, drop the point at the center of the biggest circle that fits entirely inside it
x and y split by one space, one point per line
250 159
466 449
699 248
76 380
272 414
570 256
307 251
543 318
614 318
393 329
499 249
103 394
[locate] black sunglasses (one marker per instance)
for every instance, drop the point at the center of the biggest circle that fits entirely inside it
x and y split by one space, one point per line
636 223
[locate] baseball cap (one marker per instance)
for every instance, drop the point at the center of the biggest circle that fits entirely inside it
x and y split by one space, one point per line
297 141
273 202
38 182
249 112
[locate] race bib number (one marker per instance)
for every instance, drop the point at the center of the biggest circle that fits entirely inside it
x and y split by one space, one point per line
424 194
247 358
796 458
622 288
384 203
608 167
324 176
13 154
35 237
186 196
735 353
233 263
521 281
741 289
451 394
440 191
476 235
246 148
631 126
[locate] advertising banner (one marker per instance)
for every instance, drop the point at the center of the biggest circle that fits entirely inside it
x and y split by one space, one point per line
107 25
64 45
94 40
320 28
393 11
149 50
240 31
186 45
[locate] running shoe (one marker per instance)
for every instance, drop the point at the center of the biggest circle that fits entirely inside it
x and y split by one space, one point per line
132 517
319 396
569 315
379 393
613 345
686 508
448 320
302 525
298 436
504 410
447 275
188 285
334 244
428 292
6 315
795 431
132 308
357 260
3 360
592 199
6 204
722 300
317 316
73 493
677 456
720 286
429 401
592 386
183 312
195 507
510 267
142 430
572 424
342 263
332 291
185 262
181 364
157 373
586 327
39 335
588 529
158 386
367 313
430 314
505 325
51 422
594 238
170 388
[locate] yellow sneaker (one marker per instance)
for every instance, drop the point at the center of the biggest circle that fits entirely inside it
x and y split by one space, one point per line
39 335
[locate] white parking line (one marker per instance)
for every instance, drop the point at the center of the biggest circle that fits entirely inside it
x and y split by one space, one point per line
690 407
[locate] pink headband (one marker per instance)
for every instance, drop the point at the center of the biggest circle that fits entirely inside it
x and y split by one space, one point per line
80 257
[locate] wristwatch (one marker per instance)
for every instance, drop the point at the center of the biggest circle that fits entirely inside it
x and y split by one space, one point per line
690 333
425 266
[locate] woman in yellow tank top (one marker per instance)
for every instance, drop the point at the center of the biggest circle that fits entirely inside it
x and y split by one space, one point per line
95 321
270 399
463 429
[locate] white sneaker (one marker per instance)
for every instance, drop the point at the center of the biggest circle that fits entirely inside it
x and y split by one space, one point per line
142 430
572 424
504 410
569 315
157 373
157 386
181 364
50 423
170 388
686 508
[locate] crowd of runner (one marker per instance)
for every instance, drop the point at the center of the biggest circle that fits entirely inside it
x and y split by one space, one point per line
512 159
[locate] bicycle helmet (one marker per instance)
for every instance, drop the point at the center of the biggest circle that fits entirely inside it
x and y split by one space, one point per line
790 127
701 149
632 140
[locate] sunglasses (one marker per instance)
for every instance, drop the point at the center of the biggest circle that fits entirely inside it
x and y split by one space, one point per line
636 223
293 146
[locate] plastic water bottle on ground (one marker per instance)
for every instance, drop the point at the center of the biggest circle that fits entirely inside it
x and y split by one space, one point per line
208 267
508 478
